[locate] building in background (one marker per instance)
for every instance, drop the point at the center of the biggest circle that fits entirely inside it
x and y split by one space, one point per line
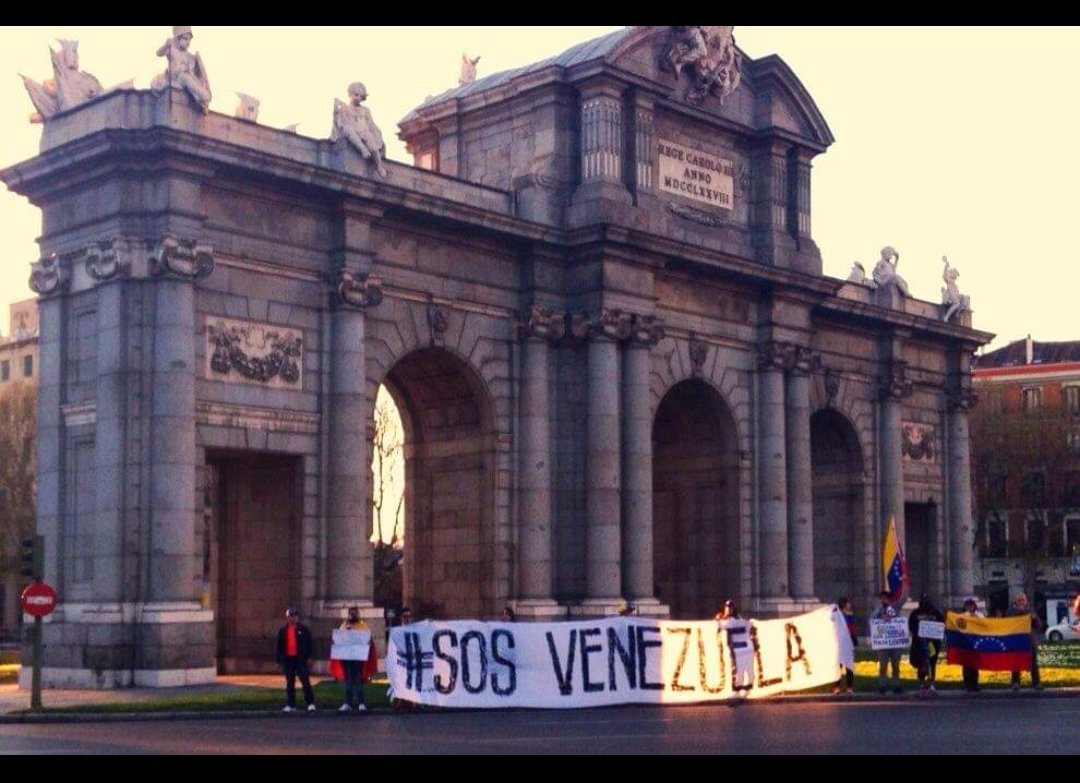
1026 472
18 365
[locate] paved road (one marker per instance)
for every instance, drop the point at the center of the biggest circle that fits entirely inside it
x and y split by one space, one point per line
910 726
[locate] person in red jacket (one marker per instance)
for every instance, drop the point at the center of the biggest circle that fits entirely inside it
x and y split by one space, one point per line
293 653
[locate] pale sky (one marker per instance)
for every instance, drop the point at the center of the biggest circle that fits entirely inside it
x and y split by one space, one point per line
949 141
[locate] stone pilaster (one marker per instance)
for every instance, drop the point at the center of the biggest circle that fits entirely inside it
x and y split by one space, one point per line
602 139
537 329
644 147
800 509
348 558
772 471
637 492
176 265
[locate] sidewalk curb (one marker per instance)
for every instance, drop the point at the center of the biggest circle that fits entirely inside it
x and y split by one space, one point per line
909 697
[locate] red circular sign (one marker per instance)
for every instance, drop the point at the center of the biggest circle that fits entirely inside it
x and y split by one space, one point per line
38 599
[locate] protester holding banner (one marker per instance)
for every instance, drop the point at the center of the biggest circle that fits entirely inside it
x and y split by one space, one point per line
1020 608
885 613
971 673
355 667
927 627
844 605
729 611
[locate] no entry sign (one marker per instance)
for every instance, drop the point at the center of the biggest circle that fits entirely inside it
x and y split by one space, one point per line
38 600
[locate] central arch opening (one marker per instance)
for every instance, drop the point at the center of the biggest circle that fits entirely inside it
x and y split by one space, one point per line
695 501
446 417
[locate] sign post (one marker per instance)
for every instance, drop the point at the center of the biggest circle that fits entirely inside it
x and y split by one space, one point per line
38 601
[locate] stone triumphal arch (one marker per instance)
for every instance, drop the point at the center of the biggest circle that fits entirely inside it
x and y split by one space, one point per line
595 297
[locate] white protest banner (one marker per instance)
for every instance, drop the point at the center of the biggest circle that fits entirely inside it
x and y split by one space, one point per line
350 645
889 634
931 629
621 660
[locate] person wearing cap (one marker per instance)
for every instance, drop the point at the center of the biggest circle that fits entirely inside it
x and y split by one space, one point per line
1020 608
293 653
625 608
970 673
886 658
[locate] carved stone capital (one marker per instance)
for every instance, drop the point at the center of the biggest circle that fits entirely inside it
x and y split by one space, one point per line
181 258
894 384
541 323
804 361
614 325
105 262
50 276
646 331
963 399
355 290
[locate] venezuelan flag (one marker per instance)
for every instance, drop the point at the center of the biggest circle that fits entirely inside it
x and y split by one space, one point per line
997 644
893 564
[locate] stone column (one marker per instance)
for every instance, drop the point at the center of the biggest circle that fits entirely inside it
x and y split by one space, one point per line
603 539
637 507
537 328
176 266
800 506
109 266
895 387
772 470
961 525
348 523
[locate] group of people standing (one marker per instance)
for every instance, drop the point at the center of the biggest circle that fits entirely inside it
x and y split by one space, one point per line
294 653
925 650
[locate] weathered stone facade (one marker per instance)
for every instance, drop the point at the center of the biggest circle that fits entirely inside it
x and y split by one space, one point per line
602 315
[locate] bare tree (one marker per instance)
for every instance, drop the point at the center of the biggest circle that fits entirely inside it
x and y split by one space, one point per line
18 470
388 499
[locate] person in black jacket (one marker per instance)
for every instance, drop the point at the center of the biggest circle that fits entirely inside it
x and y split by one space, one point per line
293 653
925 649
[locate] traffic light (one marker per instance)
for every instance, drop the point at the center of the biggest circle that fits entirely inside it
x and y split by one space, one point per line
33 557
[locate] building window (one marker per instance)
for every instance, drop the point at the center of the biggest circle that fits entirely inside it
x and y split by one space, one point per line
1034 489
28 365
1072 442
1072 399
995 489
1035 533
5 370
997 537
991 400
1031 399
